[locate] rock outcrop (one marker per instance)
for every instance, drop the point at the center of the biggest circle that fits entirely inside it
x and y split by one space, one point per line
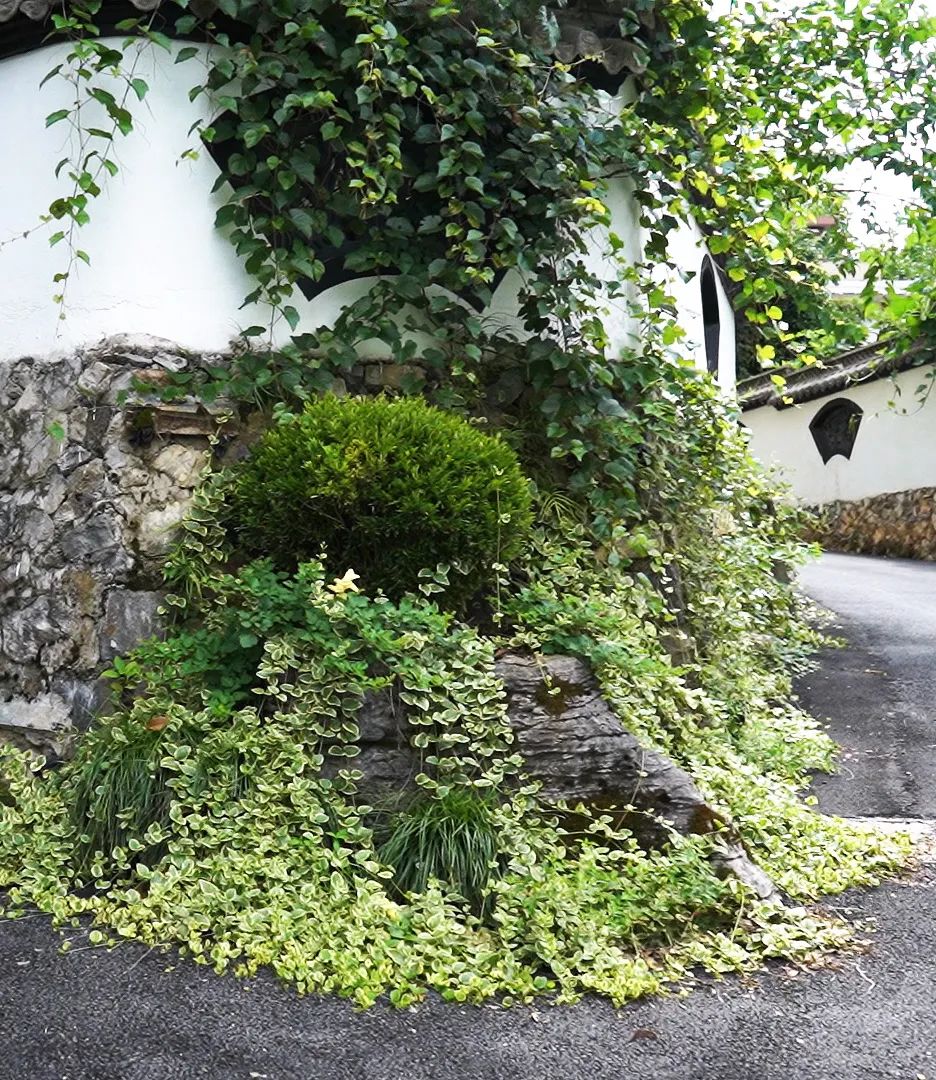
575 746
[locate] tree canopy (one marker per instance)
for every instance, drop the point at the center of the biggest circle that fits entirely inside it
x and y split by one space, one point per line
754 118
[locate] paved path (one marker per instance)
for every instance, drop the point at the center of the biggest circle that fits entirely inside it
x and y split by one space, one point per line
879 695
133 1015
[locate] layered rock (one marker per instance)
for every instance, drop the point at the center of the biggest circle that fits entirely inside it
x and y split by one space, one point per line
576 747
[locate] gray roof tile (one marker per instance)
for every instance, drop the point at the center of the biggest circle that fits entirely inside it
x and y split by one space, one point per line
864 364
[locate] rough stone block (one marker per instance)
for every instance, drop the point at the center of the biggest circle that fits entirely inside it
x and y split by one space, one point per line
182 464
140 350
391 376
24 632
85 698
576 747
129 618
97 541
156 528
48 713
95 379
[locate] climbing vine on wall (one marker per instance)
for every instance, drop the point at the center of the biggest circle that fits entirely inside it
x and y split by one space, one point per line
91 157
443 145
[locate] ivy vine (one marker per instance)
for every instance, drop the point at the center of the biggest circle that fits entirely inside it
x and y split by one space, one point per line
444 145
439 147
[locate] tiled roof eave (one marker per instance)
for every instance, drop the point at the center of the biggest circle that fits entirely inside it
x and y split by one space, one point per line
866 364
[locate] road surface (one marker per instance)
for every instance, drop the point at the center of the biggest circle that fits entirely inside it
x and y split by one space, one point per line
134 1015
879 695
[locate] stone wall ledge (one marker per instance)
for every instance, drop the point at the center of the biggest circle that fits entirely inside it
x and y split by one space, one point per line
87 512
900 524
95 475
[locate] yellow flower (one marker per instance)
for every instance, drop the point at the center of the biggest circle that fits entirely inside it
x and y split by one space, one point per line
342 585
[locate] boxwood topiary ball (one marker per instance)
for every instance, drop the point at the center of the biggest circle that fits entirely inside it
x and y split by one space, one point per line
389 487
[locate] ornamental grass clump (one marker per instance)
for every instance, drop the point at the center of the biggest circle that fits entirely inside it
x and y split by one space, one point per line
390 488
451 838
117 788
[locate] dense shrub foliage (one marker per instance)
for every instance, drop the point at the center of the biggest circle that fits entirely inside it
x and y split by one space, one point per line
389 488
218 808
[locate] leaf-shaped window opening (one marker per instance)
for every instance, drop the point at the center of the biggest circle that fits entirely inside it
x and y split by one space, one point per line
711 320
336 232
835 427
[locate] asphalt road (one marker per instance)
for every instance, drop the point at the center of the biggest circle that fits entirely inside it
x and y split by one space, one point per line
878 696
137 1015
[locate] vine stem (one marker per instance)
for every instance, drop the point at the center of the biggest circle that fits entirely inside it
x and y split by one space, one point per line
74 76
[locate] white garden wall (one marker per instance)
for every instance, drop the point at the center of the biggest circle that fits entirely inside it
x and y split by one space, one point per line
895 449
158 265
687 251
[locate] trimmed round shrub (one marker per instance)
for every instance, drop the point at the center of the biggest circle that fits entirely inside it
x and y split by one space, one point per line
389 487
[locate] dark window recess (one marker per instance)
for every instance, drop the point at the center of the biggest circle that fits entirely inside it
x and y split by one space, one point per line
27 24
711 320
335 259
835 427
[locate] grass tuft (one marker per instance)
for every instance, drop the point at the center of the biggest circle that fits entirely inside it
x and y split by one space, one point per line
118 789
450 838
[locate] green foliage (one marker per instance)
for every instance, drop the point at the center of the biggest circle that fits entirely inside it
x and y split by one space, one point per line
429 131
443 146
908 313
117 788
388 488
262 852
219 808
451 838
809 311
750 120
447 152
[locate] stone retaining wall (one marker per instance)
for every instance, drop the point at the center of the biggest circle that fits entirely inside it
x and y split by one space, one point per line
93 479
899 523
89 494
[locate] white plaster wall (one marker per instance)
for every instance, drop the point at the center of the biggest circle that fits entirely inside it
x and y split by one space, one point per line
159 266
687 251
619 323
895 449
